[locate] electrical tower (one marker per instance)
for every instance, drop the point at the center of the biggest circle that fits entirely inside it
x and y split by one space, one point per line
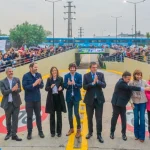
70 17
81 32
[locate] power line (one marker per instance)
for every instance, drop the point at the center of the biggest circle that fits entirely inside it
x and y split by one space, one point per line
81 32
70 17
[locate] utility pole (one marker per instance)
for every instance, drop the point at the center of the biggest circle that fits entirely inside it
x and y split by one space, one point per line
53 2
135 4
116 26
81 32
70 17
132 31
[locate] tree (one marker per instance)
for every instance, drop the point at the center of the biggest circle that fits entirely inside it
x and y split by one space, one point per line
27 34
148 35
48 33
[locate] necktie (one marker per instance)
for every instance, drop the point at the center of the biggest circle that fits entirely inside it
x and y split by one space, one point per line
93 76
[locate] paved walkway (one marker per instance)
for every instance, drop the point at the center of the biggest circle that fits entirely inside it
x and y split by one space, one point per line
70 143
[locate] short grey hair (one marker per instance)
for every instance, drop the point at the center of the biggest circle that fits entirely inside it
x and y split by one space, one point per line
8 68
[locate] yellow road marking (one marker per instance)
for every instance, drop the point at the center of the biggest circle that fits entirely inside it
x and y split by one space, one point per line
84 144
1 98
116 72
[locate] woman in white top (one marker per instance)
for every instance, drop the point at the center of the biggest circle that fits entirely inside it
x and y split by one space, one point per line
55 100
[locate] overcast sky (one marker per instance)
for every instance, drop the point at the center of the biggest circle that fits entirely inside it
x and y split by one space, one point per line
93 15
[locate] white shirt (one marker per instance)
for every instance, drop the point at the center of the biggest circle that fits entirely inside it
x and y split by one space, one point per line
10 99
72 78
33 75
54 89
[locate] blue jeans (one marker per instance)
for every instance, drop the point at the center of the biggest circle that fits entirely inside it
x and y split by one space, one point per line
76 112
139 120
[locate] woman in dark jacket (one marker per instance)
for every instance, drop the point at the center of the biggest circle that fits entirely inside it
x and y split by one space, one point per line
55 100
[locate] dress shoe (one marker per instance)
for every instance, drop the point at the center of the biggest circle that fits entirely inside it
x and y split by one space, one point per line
142 141
16 138
99 137
7 136
52 135
41 134
78 134
112 135
70 132
59 134
124 137
89 135
136 138
29 136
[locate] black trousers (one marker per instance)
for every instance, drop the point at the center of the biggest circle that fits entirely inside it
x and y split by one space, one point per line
57 109
148 112
36 108
117 110
98 115
11 114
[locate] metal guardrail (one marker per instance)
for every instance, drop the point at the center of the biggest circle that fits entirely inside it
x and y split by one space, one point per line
140 58
118 58
26 60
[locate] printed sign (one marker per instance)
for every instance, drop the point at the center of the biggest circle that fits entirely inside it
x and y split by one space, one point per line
22 120
91 50
2 44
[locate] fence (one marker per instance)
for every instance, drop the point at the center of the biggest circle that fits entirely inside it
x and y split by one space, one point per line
26 60
120 58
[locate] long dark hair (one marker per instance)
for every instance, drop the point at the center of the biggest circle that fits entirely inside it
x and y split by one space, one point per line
51 70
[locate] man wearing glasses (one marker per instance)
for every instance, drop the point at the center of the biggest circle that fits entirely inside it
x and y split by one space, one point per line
93 82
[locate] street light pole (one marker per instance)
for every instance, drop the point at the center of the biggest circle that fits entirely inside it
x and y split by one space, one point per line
103 32
135 21
132 31
135 3
53 1
116 26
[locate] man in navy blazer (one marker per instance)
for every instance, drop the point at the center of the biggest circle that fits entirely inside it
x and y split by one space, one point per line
93 82
32 83
73 84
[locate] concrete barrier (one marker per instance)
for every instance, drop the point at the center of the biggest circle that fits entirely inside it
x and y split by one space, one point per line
130 65
60 60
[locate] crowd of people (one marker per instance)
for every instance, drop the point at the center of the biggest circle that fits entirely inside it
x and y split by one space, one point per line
93 83
23 56
134 52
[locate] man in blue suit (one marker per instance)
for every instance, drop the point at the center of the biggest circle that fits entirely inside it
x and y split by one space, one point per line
32 83
73 84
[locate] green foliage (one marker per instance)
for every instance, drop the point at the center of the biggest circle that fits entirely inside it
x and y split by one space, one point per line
148 35
27 34
104 66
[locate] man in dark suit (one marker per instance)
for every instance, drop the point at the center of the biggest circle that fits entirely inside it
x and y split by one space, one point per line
93 83
73 84
32 83
11 101
120 99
